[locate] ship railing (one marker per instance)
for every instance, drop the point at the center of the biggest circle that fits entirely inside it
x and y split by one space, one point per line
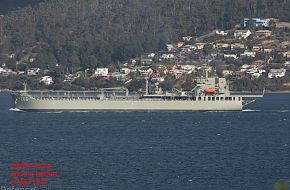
247 94
67 94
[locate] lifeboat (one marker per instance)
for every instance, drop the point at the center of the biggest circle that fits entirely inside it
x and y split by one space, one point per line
210 90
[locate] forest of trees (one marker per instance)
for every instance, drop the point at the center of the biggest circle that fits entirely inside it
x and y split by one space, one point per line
9 5
90 33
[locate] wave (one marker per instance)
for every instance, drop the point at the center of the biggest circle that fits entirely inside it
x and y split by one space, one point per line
250 110
54 112
15 110
79 111
282 111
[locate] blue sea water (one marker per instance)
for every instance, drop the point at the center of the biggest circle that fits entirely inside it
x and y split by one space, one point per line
153 150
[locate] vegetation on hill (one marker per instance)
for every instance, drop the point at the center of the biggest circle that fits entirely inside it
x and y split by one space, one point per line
9 5
93 33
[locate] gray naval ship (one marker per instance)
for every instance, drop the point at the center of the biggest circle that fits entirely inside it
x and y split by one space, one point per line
210 94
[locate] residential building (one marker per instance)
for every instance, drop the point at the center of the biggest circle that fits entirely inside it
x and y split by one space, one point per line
2 70
287 63
146 61
158 79
268 49
230 56
7 72
238 46
257 48
188 48
119 76
245 67
71 77
256 75
144 71
186 38
277 73
187 67
199 46
248 54
47 80
167 54
101 72
180 44
242 34
221 33
221 45
263 33
33 71
133 62
170 47
281 25
256 22
178 73
286 54
252 70
258 63
151 55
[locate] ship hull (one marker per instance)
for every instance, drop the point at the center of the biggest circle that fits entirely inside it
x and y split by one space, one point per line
27 103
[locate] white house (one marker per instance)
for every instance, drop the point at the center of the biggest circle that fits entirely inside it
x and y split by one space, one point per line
252 71
242 34
249 54
180 44
245 67
276 73
187 67
101 72
221 45
237 46
287 63
158 79
31 60
186 38
2 70
33 71
47 80
7 72
167 56
221 32
230 56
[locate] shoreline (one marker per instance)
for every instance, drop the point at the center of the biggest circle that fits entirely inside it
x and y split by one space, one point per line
8 90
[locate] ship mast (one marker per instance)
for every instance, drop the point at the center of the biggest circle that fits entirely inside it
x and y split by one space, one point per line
25 88
148 78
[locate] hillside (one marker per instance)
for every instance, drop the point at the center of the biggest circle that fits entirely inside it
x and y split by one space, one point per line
9 5
80 34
